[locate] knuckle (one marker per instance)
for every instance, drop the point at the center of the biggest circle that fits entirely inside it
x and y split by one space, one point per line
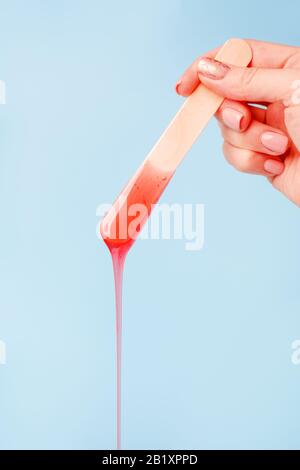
239 159
242 165
245 81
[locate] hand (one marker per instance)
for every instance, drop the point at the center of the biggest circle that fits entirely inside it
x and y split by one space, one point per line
263 141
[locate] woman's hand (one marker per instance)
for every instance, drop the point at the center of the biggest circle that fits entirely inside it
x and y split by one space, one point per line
259 141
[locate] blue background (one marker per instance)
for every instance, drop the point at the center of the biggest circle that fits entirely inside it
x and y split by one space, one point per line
207 335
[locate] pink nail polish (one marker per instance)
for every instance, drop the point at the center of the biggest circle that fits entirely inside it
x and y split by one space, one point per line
274 167
177 86
211 68
275 142
232 118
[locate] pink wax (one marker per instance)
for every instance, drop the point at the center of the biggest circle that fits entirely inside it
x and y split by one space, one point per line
119 229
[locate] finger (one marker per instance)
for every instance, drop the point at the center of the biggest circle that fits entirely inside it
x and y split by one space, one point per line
235 115
275 116
247 84
258 138
247 161
190 78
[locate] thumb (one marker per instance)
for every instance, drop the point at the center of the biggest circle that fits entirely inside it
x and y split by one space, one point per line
247 83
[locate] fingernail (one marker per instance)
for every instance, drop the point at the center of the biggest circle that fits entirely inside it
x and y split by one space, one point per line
273 141
274 167
177 86
232 118
211 68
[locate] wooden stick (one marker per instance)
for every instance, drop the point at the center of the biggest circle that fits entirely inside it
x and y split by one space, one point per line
195 113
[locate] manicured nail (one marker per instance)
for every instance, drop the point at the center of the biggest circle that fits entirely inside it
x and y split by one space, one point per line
211 68
276 142
232 118
177 86
274 167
